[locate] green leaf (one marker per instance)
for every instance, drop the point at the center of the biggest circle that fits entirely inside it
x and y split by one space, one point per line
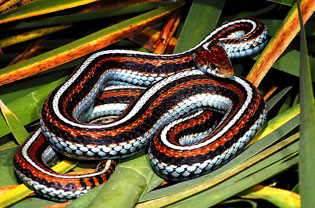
296 100
239 203
296 188
75 18
275 99
202 18
123 189
40 7
277 196
307 144
21 191
6 143
286 105
7 176
284 2
30 35
254 12
279 42
86 199
126 185
33 202
28 106
13 123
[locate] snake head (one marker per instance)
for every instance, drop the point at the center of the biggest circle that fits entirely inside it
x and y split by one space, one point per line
213 59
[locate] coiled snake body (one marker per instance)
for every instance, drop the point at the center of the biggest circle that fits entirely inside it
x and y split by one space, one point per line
189 108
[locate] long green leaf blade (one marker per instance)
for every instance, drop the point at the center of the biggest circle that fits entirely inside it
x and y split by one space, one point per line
13 123
40 7
285 2
202 18
277 196
307 144
74 18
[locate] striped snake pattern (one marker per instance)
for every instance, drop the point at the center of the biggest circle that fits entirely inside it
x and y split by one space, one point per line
189 109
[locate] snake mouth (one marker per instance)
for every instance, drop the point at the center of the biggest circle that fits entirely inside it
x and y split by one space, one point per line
213 60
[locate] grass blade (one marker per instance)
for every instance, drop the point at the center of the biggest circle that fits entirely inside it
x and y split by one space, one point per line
7 176
202 18
284 2
75 18
40 7
274 24
307 144
7 4
273 101
30 35
280 41
14 123
278 122
14 195
279 197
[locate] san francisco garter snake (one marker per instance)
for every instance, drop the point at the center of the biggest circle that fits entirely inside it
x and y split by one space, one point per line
189 108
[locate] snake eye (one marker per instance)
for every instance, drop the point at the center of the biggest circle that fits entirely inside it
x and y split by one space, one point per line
212 66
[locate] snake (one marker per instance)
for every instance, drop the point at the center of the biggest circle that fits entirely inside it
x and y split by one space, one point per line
189 111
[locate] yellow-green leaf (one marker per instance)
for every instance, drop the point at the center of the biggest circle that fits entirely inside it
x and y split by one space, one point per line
14 123
30 35
40 7
307 144
279 197
14 195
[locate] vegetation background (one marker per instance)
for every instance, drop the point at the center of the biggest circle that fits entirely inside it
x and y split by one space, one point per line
43 41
